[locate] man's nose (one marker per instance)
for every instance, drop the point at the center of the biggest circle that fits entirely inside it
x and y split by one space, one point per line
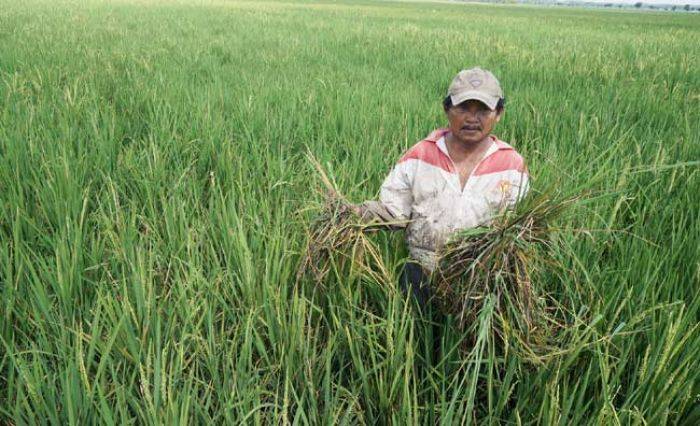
472 111
472 114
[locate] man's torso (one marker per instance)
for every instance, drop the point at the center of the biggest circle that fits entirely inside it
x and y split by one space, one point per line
439 205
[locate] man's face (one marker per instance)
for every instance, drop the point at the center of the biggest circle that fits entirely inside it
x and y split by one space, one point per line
472 121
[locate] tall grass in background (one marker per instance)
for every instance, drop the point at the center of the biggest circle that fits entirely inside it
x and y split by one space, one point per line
154 195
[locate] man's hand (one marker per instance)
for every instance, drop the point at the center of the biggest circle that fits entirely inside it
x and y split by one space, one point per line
353 208
332 194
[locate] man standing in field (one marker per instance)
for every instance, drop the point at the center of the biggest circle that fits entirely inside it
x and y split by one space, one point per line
456 178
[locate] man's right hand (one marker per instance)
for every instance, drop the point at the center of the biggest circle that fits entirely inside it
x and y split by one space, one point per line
353 208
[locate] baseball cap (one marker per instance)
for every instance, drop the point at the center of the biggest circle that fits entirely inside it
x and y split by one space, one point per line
475 83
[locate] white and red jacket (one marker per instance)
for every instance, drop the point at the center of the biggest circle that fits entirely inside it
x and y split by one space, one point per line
424 190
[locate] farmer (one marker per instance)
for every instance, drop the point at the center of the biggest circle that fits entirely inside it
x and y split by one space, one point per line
456 178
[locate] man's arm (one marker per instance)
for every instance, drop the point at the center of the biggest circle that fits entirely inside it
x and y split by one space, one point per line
393 209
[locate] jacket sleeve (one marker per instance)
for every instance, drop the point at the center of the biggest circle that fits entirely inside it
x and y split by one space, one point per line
393 209
521 186
514 189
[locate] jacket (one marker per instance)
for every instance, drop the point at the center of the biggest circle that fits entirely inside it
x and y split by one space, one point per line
422 193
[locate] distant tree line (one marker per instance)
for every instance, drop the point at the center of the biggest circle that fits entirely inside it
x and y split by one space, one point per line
638 5
612 3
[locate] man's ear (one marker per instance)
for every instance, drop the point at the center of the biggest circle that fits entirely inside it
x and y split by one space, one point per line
499 114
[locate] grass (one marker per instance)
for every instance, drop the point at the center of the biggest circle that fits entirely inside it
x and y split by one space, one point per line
154 194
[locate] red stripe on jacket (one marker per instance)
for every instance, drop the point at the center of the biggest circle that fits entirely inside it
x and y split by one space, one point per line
428 152
500 161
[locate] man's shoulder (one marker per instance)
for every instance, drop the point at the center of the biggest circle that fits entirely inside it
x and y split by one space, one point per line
504 159
427 151
422 150
504 146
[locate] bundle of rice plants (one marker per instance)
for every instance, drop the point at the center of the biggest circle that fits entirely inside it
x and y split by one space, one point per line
338 238
497 263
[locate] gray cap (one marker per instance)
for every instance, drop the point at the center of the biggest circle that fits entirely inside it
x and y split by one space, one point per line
475 83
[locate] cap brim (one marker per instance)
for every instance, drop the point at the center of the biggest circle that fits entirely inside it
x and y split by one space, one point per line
489 101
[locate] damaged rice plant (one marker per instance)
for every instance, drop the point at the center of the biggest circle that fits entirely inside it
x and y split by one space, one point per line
498 262
337 238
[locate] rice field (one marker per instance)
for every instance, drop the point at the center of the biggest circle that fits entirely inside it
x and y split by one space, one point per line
155 195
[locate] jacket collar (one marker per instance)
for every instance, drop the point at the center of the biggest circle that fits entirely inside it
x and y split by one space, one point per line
437 137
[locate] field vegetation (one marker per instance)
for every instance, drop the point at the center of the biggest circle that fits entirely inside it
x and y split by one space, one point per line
155 196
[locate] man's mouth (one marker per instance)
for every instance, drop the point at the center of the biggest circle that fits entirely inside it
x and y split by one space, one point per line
470 127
